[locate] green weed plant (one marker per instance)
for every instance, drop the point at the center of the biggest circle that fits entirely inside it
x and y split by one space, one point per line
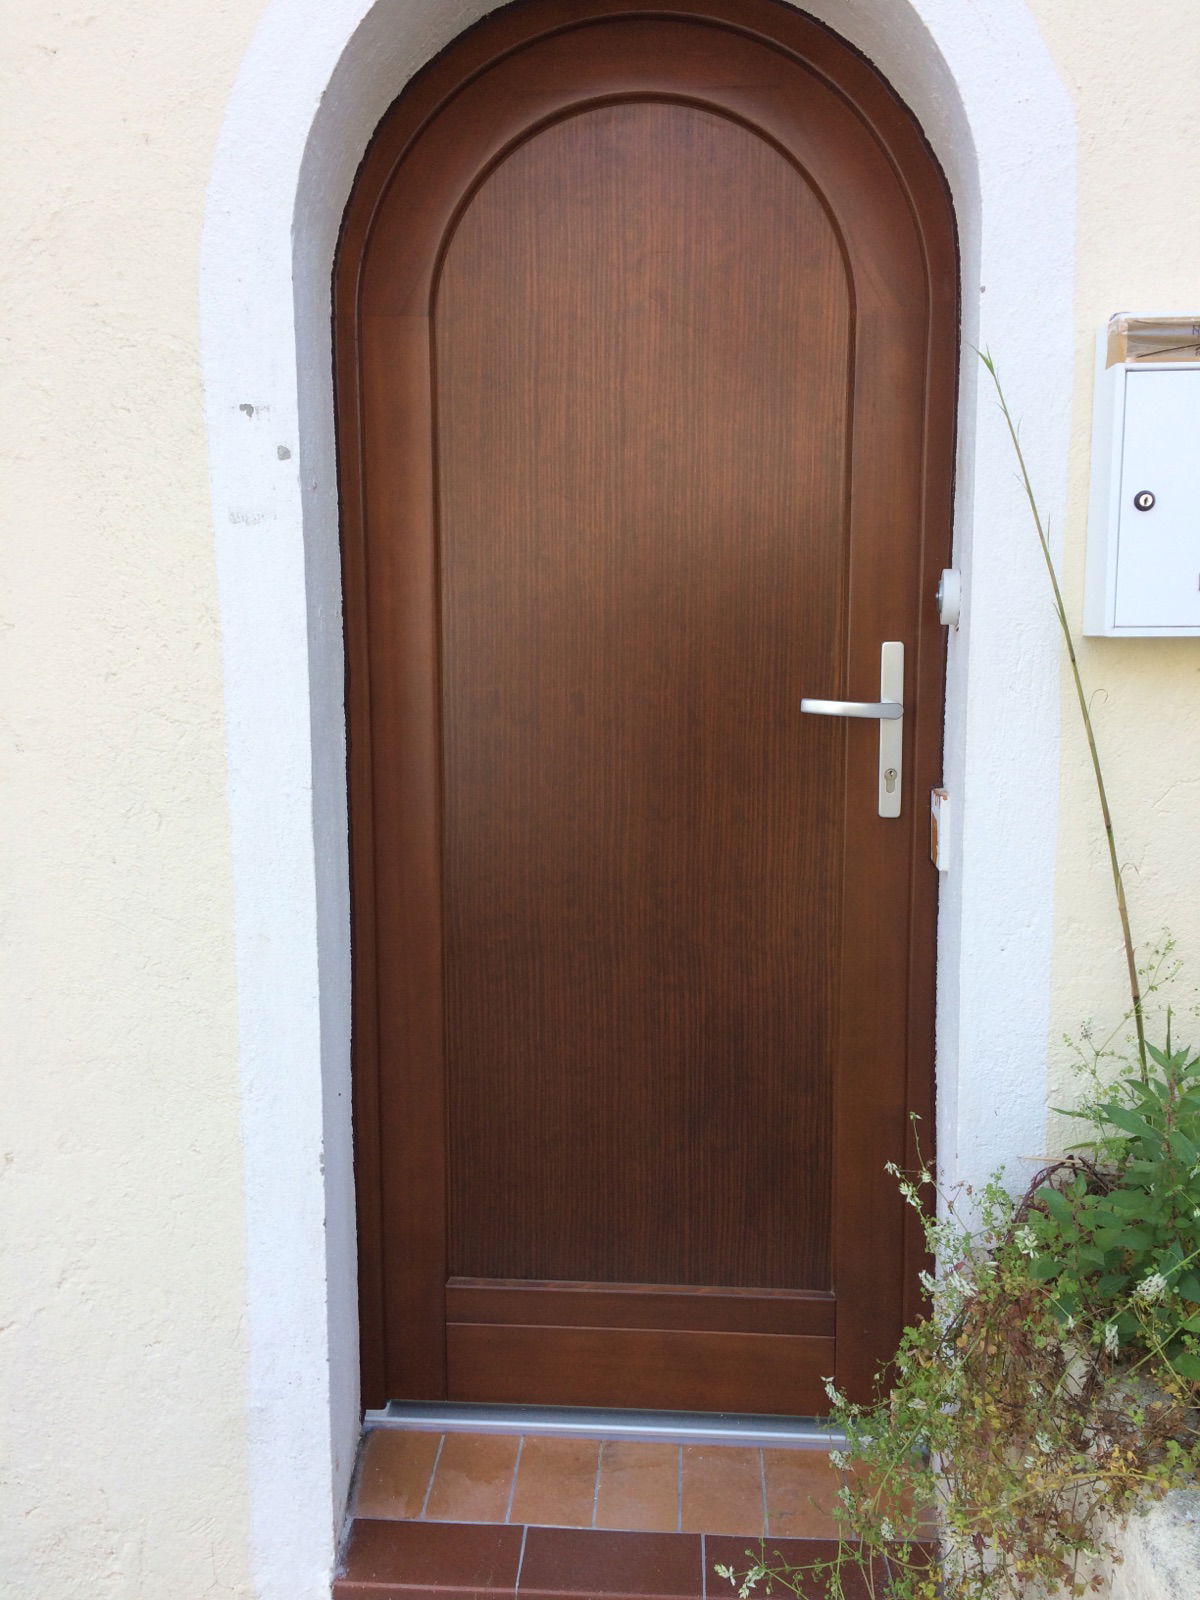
1052 1388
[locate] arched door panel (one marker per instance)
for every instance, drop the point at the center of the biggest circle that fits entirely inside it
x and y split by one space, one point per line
645 335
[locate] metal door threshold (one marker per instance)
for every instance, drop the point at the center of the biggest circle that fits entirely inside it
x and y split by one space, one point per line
686 1427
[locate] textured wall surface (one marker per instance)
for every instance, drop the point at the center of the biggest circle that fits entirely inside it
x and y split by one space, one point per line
1132 71
1161 1552
124 1453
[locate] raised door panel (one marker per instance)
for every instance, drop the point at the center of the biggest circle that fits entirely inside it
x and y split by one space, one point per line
642 337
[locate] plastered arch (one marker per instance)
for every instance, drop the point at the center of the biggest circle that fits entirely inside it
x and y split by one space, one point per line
315 81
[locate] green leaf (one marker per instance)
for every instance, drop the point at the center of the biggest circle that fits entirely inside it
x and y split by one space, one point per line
1188 1285
1187 1365
1183 1147
1128 1121
1043 1268
1124 1238
1057 1205
1112 1284
1128 1200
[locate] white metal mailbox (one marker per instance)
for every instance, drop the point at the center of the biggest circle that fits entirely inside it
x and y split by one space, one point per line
1143 555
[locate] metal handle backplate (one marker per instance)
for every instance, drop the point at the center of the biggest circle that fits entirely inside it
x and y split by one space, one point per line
888 710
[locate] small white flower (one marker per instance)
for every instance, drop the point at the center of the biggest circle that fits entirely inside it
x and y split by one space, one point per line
835 1399
923 1176
1026 1241
918 1404
839 1459
1044 1443
888 1532
1151 1288
1111 1341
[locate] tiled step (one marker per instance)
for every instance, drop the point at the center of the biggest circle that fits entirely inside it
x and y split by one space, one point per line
388 1560
457 1515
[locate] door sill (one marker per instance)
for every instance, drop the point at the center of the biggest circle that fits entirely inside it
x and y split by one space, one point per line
689 1427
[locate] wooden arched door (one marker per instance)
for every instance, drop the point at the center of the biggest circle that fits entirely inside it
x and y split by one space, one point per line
646 327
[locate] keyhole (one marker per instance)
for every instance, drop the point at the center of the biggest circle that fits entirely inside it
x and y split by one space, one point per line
889 780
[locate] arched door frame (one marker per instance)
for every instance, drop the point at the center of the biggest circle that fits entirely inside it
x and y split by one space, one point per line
316 79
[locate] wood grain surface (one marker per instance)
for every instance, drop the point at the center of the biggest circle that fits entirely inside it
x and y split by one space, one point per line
646 358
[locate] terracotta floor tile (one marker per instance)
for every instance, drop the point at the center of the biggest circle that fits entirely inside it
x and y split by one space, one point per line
722 1489
639 1486
556 1482
393 1473
802 1488
474 1478
571 1562
422 1558
899 1509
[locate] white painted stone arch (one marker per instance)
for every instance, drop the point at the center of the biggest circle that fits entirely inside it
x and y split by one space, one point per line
315 81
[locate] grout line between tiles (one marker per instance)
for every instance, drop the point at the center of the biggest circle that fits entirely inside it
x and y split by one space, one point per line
521 1559
679 1493
596 1488
762 1478
512 1488
432 1476
703 1567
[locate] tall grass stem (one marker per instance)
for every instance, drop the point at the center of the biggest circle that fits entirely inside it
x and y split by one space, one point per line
1135 988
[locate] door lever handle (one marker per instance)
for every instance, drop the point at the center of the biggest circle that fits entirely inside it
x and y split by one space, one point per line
888 710
884 710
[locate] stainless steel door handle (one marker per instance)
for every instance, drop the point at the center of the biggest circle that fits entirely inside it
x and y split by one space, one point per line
884 710
888 710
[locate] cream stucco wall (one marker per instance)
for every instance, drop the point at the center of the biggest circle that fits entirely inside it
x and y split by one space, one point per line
123 1346
124 1341
1132 70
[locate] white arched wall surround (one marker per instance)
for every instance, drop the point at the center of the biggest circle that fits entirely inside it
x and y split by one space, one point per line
317 78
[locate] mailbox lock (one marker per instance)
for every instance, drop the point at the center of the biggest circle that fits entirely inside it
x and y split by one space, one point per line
1144 500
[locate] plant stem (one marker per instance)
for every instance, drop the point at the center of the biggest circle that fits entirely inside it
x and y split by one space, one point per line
1118 878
